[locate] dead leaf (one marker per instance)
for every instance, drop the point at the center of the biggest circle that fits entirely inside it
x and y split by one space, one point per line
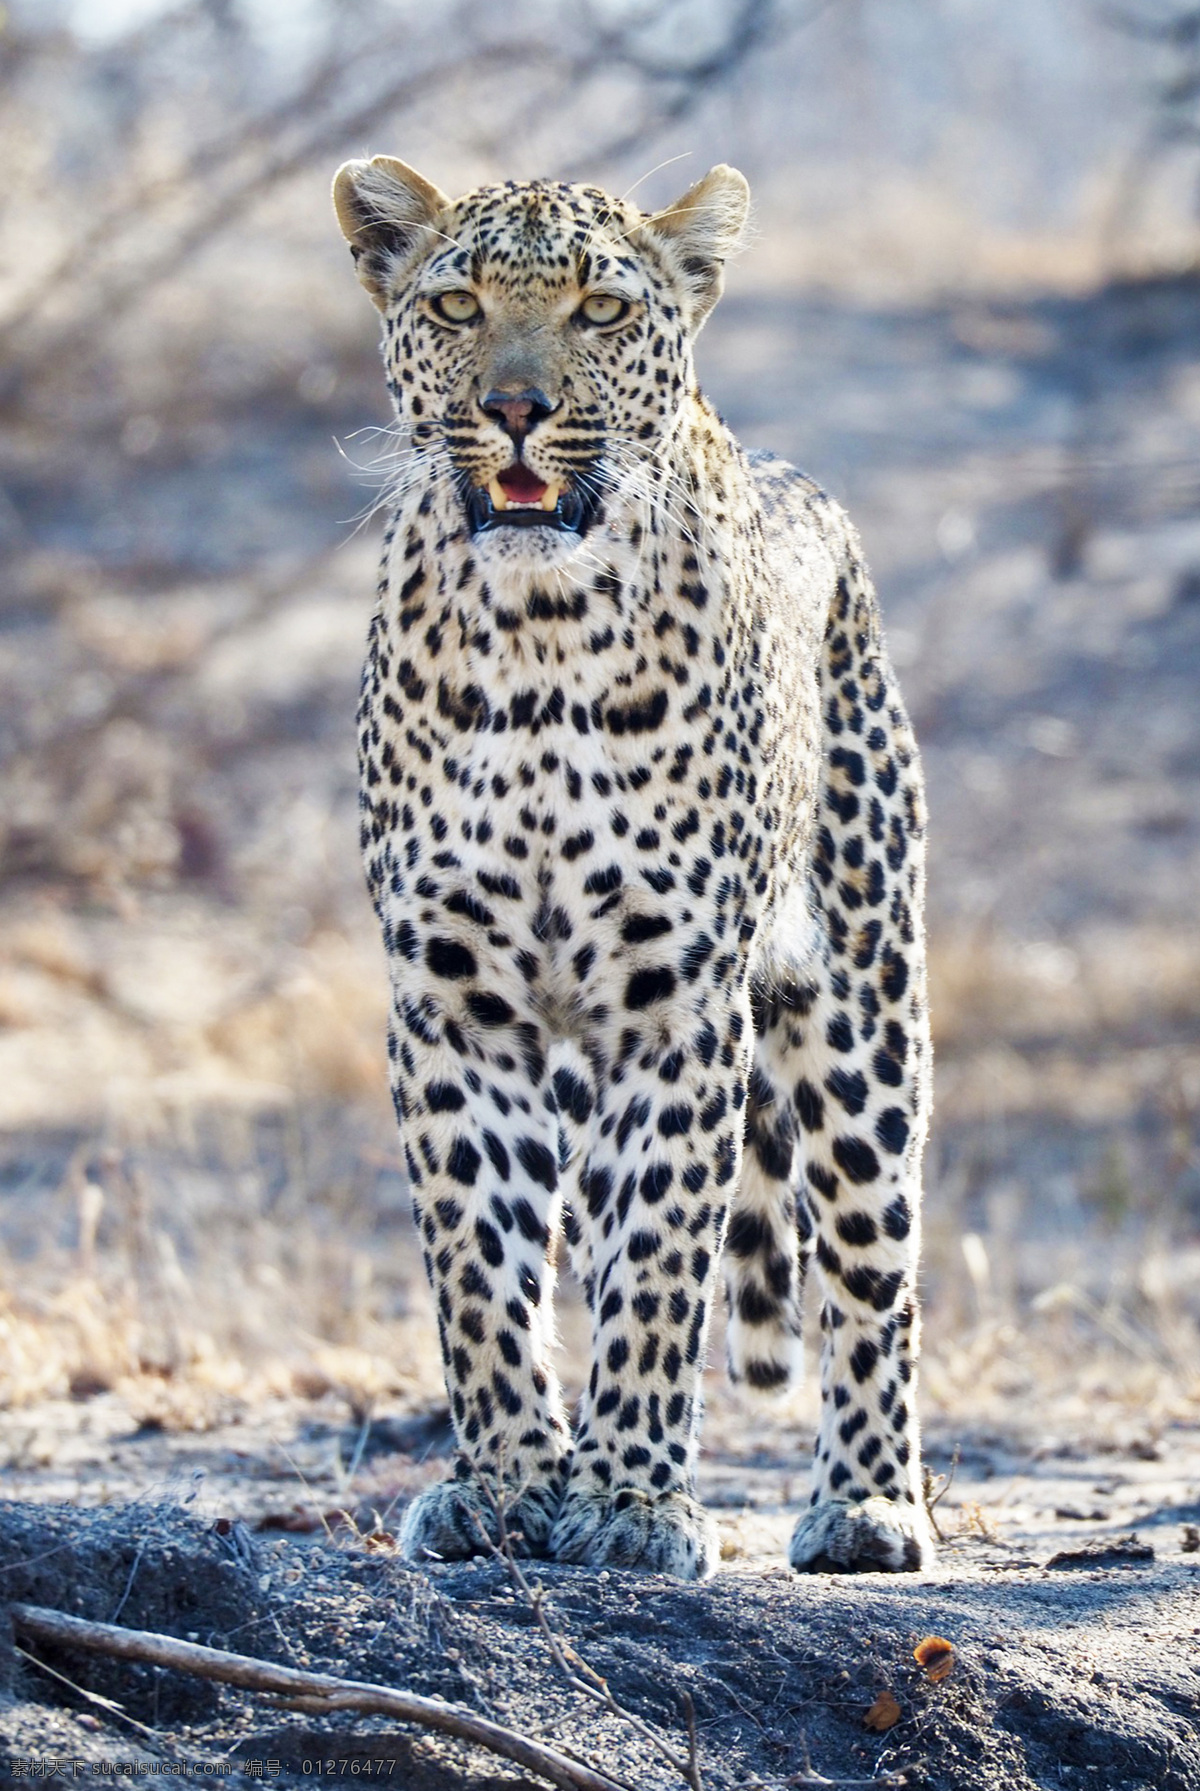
883 1714
936 1655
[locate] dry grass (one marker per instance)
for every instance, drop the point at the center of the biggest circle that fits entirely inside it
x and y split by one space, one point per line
1103 983
221 1229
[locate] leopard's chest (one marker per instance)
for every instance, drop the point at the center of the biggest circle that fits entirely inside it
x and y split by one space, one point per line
573 818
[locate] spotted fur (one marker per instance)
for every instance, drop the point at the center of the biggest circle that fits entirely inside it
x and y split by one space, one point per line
643 824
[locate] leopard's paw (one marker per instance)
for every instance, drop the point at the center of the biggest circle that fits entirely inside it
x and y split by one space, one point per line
657 1532
457 1518
875 1535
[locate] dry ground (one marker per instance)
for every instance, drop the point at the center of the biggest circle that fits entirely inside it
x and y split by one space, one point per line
1076 1643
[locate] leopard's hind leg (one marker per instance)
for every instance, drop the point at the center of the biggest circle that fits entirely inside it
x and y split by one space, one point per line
860 1087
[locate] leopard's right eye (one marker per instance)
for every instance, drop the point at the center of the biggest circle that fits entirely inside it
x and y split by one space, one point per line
456 307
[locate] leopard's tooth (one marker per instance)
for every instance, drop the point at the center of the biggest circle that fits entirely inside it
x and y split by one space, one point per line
550 496
497 494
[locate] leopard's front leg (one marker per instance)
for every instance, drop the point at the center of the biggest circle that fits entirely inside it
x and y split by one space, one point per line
653 1195
485 1198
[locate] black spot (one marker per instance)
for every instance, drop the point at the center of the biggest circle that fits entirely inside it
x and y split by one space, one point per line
897 1218
578 844
849 1087
647 986
537 1162
509 1398
675 1121
529 1224
891 1129
491 1248
489 1010
574 1097
767 1375
855 1158
636 1114
895 975
774 1150
696 956
596 1186
873 1288
640 927
822 1179
497 1154
748 1234
444 1097
849 1428
655 1182
755 1305
450 958
603 882
473 1282
856 1228
613 1303
639 717
463 1162
810 1105
462 902
712 1115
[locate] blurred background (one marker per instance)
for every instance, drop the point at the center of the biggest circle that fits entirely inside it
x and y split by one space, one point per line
971 308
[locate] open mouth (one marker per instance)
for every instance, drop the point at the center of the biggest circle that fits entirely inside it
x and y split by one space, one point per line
517 498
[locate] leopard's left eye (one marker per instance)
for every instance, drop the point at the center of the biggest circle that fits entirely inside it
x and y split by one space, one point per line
456 307
603 307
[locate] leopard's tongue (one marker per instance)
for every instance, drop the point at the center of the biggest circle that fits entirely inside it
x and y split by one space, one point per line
521 486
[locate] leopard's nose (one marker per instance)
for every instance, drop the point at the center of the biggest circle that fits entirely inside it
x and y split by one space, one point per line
518 412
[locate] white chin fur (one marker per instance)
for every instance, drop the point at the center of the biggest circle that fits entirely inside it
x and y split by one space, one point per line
516 550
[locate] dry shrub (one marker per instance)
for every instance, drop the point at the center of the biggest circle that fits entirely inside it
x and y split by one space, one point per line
985 986
321 1031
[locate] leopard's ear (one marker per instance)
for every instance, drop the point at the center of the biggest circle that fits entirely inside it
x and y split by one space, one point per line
700 232
385 210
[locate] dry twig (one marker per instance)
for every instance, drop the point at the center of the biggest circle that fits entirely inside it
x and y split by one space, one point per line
808 1775
934 1492
580 1676
316 1693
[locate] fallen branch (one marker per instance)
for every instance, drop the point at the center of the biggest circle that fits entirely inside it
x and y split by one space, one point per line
316 1693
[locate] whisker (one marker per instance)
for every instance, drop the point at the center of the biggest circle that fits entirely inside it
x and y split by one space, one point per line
669 163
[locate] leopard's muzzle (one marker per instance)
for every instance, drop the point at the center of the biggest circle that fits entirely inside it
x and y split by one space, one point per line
518 498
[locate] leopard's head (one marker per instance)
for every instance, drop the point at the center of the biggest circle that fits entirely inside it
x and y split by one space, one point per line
538 339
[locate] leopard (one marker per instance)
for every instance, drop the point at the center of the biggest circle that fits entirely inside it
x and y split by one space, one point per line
644 829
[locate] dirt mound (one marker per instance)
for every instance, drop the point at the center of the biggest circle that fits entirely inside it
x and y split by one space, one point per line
1088 1678
146 1567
